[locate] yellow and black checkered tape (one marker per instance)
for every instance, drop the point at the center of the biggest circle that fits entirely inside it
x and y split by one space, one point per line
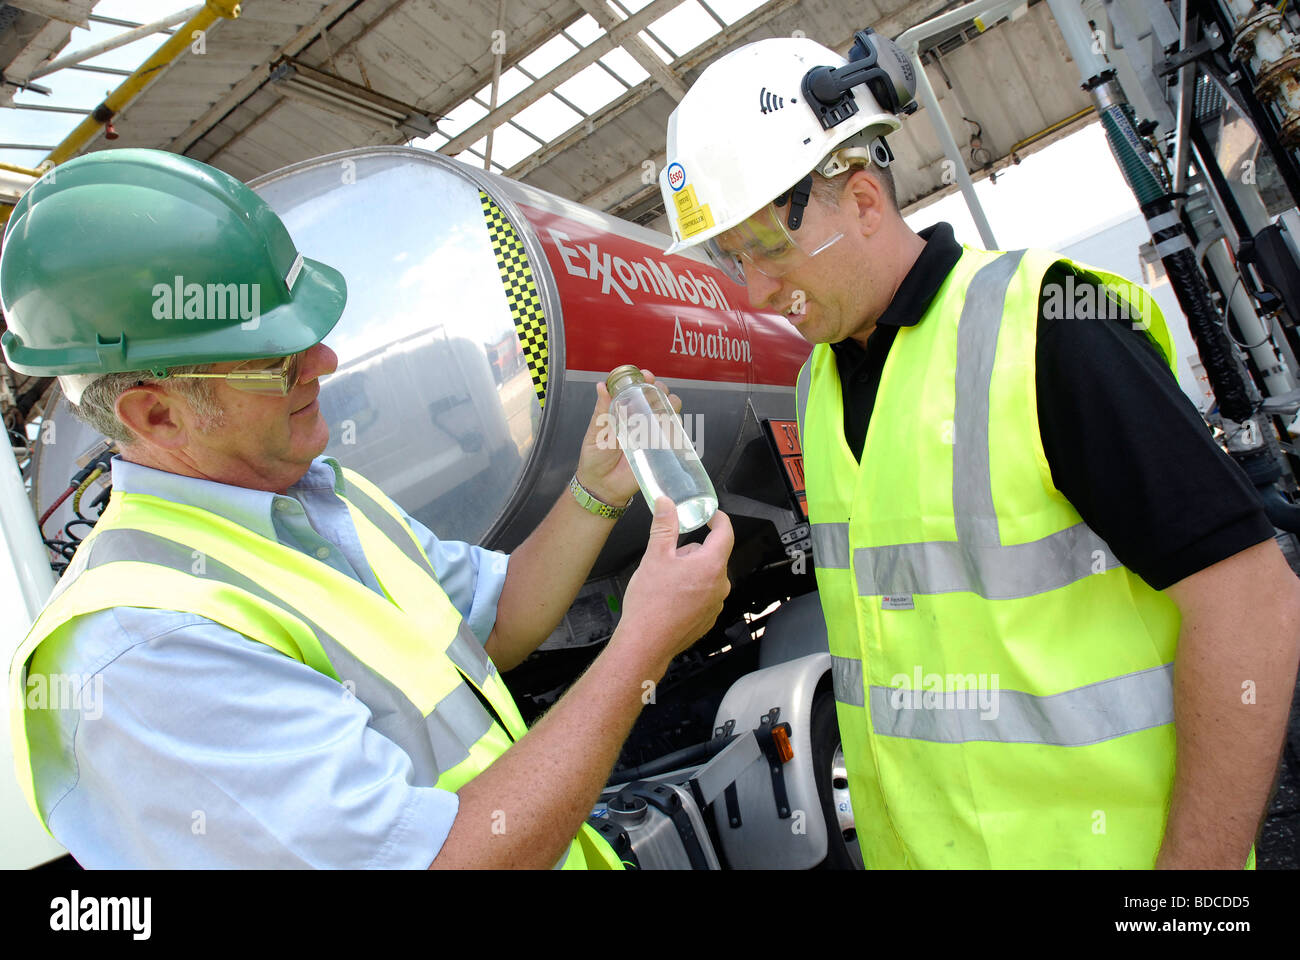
521 292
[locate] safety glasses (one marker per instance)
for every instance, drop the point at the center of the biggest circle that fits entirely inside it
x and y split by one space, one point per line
767 245
269 376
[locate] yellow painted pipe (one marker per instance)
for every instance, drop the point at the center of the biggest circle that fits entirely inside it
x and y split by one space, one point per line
5 208
144 75
1049 130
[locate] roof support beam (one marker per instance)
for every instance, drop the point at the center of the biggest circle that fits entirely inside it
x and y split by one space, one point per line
606 197
631 184
570 68
112 43
255 79
67 11
638 48
209 17
391 135
49 40
613 111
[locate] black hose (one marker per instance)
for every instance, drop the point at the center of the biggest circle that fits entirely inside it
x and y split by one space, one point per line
1204 323
686 757
1190 287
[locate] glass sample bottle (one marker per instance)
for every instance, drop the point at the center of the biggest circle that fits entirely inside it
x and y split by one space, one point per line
663 460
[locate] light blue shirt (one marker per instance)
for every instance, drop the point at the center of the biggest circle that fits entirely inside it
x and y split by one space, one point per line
189 745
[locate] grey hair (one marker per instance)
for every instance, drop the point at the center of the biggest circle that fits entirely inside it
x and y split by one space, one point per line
99 400
828 190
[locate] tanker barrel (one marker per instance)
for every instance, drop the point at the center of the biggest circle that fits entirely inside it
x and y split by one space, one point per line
481 314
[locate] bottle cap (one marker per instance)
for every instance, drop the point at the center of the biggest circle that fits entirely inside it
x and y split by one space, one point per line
620 377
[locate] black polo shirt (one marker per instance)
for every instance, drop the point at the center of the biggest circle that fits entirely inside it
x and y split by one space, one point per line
1126 446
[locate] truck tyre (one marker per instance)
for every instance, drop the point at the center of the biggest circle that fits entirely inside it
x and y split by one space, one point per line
832 787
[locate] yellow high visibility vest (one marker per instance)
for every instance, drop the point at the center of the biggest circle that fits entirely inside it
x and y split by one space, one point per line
1003 685
407 654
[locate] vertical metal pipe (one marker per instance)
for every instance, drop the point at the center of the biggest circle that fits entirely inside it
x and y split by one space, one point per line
25 581
25 554
925 93
1186 78
1078 37
1255 331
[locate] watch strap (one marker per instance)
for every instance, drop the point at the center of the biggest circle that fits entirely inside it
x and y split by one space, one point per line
593 504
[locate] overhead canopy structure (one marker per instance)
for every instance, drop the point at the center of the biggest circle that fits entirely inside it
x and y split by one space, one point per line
584 91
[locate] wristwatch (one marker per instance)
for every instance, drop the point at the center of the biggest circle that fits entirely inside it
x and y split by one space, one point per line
593 504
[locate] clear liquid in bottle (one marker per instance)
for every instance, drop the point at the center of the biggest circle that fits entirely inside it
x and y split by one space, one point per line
662 458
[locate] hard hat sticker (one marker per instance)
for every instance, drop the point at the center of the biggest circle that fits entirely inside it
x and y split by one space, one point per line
291 277
692 216
676 176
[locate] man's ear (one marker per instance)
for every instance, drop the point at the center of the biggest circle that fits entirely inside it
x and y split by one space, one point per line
866 193
153 415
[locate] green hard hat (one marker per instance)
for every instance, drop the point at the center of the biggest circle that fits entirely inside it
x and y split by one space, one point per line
144 260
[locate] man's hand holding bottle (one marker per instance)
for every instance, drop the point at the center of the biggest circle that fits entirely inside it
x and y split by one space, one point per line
677 592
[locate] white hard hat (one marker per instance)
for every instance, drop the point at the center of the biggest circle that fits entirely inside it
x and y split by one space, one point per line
746 132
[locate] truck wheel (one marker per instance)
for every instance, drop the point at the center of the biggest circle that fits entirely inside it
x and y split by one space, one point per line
842 851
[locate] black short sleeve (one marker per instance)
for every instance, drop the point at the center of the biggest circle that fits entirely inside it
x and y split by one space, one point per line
1131 452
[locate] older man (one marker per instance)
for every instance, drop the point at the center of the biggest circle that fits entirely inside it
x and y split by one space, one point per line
1063 634
287 669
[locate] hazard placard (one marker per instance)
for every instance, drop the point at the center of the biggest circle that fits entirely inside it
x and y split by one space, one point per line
785 437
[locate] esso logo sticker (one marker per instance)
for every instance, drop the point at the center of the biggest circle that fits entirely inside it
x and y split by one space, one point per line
676 176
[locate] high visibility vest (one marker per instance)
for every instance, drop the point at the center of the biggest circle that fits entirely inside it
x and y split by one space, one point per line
407 655
1003 685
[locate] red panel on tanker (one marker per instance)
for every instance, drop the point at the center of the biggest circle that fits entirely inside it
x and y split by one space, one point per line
625 302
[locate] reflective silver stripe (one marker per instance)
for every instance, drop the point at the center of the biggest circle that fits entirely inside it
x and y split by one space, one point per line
466 651
830 543
977 342
389 527
455 724
431 743
978 562
846 680
801 388
1089 714
991 572
76 567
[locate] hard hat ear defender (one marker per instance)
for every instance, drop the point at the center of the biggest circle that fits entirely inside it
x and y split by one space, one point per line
875 61
821 113
887 72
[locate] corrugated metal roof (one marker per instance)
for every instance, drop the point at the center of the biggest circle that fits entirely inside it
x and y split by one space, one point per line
596 142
